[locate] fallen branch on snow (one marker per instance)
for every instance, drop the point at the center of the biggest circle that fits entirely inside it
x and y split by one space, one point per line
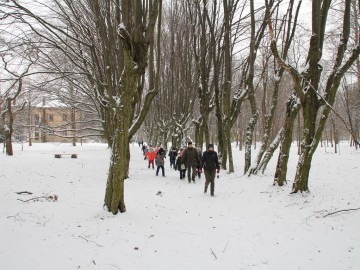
87 240
344 210
49 198
226 246
23 192
213 253
17 217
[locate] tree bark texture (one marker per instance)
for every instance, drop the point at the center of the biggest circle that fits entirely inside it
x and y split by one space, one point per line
285 143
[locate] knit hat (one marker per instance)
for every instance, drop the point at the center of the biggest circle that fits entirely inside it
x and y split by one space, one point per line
210 146
189 143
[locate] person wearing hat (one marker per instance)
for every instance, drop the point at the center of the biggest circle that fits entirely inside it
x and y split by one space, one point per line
190 159
159 160
210 163
179 165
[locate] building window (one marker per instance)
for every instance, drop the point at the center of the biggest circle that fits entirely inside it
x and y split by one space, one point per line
64 117
50 117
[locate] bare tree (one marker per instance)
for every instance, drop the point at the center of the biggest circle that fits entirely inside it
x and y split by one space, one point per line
307 84
286 31
108 43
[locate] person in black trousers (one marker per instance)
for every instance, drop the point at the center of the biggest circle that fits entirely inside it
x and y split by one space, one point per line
210 163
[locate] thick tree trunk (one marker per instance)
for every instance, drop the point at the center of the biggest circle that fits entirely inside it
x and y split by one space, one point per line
310 109
120 152
248 143
197 134
9 129
220 128
206 132
270 151
251 92
119 164
301 181
229 152
227 81
283 158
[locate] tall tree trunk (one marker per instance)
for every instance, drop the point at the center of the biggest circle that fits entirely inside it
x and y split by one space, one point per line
73 125
268 125
73 116
334 134
9 129
227 87
309 108
283 157
251 93
119 164
29 122
119 161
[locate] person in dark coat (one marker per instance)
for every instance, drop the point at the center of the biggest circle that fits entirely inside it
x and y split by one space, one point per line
191 159
210 163
198 167
159 161
179 165
172 156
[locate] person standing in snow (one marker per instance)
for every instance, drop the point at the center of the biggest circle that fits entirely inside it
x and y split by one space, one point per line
198 167
210 163
150 155
145 149
159 160
179 166
190 159
172 156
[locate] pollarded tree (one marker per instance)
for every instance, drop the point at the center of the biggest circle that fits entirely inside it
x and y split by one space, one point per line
317 105
287 27
201 18
108 43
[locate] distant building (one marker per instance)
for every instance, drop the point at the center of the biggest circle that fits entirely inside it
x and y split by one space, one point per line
54 122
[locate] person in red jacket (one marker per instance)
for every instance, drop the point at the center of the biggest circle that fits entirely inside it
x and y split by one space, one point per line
150 155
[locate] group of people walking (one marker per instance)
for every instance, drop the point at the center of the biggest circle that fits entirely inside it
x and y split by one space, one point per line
190 160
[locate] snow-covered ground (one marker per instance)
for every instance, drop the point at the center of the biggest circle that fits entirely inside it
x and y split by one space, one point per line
249 224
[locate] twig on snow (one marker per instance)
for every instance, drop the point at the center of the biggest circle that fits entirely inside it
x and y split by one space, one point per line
344 210
226 246
49 198
213 253
17 217
23 192
87 240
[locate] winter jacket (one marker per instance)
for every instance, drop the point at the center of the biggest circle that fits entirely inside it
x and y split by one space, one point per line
210 161
190 157
151 154
172 154
160 156
178 160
